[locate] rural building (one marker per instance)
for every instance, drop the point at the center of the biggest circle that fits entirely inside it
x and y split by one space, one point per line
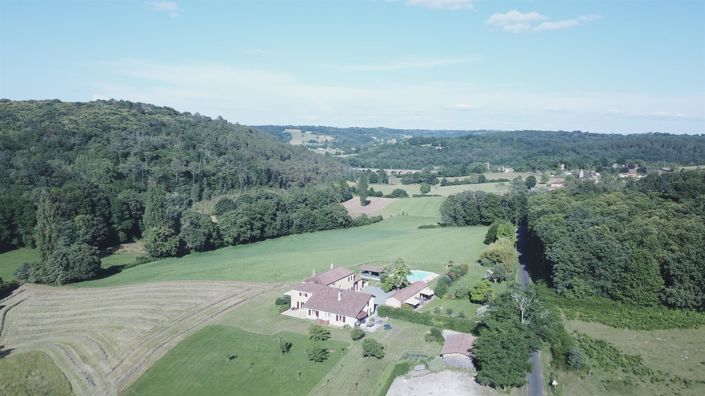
371 271
456 350
556 183
412 295
330 305
339 277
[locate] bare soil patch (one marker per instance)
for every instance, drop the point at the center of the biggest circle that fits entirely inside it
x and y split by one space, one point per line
373 208
132 248
103 339
444 383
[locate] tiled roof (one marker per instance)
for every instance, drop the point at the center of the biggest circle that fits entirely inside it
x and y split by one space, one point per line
409 291
324 298
328 277
371 268
458 343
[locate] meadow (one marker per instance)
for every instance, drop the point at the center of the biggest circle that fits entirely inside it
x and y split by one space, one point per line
415 189
10 261
32 374
199 365
294 257
674 352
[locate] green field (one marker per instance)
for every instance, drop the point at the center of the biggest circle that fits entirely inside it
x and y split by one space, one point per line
10 261
32 374
411 189
199 365
679 352
295 257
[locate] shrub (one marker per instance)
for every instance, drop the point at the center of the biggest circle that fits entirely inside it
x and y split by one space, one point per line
449 311
357 333
318 333
461 293
372 348
481 292
437 334
398 193
284 345
283 300
317 353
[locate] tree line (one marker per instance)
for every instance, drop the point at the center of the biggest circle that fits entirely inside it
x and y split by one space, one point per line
643 243
532 150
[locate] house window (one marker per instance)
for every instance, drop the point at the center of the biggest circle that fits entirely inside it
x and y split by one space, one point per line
299 294
316 313
309 312
343 319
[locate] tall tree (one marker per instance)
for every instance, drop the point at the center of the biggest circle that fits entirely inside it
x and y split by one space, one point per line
362 186
46 231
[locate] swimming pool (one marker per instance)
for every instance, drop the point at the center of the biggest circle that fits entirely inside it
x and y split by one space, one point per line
418 275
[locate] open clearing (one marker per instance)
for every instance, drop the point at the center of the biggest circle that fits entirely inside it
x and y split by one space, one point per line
293 258
454 384
10 261
104 339
299 137
679 352
415 189
199 365
375 207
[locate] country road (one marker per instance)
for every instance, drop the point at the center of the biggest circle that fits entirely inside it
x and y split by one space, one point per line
535 377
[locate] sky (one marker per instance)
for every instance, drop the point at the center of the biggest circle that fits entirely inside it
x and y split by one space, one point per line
603 66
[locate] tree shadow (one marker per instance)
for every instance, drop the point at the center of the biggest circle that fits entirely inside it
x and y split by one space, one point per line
5 352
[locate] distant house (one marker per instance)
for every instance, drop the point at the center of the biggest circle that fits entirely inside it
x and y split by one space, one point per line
555 183
371 271
589 175
412 295
329 305
457 350
338 277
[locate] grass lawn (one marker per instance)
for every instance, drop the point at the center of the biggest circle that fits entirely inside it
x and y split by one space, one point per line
32 374
199 365
679 352
295 257
9 261
122 258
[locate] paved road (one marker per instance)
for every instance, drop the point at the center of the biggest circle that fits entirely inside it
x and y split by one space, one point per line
535 377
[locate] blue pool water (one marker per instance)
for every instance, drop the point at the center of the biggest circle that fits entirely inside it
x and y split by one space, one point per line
417 275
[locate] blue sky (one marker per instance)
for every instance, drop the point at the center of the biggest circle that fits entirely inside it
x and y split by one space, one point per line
603 66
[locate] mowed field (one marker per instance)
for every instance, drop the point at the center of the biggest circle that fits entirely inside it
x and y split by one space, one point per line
104 339
294 257
679 352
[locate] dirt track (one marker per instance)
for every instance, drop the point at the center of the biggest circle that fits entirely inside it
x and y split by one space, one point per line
105 338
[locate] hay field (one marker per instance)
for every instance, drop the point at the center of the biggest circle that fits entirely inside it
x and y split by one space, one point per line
104 339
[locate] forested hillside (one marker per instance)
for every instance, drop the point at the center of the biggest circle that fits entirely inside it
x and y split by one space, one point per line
535 150
96 159
643 244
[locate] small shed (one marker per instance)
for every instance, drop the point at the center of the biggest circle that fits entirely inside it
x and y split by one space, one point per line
371 271
457 350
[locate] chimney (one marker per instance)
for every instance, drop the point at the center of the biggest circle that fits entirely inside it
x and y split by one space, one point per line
331 265
340 295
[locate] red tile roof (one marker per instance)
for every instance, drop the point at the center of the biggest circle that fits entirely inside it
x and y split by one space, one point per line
324 298
409 291
458 343
328 277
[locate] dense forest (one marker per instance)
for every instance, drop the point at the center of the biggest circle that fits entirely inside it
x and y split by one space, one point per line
534 150
100 156
80 177
641 244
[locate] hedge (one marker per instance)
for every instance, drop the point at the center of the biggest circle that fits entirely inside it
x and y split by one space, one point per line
428 319
400 369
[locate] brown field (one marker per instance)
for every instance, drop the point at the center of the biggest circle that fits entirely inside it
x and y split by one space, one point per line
374 208
103 339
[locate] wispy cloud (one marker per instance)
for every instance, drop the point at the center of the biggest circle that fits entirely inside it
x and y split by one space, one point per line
408 64
168 7
516 22
464 106
442 4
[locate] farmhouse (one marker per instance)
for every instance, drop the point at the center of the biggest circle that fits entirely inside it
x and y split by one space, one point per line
412 295
339 277
457 350
371 271
330 305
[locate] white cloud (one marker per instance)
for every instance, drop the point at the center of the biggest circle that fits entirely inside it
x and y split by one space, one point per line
409 64
464 106
253 96
442 4
169 7
516 22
